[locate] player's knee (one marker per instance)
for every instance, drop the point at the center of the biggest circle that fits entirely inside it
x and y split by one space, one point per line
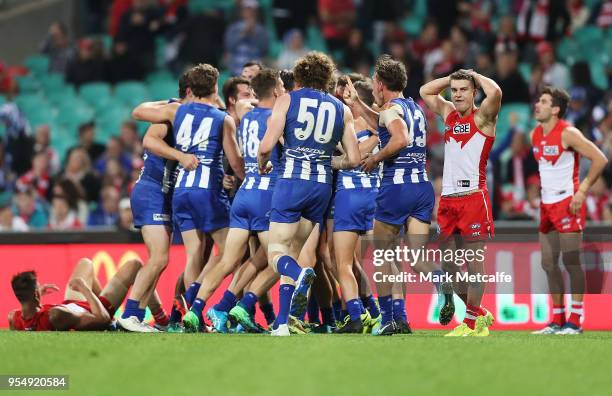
133 266
85 262
549 265
158 262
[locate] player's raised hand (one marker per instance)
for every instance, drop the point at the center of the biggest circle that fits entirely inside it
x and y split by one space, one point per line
350 94
577 202
189 161
48 288
243 106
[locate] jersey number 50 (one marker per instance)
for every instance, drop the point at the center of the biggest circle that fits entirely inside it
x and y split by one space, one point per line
323 123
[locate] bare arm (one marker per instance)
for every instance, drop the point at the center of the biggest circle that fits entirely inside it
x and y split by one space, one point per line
11 315
97 319
399 139
276 128
489 108
156 112
351 98
575 140
350 144
230 147
431 94
368 145
155 143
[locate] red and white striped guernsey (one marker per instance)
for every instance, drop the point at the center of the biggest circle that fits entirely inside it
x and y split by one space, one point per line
558 166
466 152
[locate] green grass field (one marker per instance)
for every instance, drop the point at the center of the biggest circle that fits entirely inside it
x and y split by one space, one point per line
506 363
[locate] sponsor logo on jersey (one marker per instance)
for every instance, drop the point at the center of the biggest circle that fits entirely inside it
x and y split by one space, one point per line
551 150
475 226
463 183
565 220
161 217
475 234
460 129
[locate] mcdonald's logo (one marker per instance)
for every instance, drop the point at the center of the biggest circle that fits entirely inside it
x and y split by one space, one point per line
103 259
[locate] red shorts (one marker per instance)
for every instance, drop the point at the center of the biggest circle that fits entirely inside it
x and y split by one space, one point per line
557 217
468 215
85 305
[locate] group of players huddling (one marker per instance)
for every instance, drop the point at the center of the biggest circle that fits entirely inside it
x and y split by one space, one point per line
323 161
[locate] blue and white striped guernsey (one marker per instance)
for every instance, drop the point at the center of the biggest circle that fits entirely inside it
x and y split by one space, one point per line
314 126
198 130
357 178
250 133
407 166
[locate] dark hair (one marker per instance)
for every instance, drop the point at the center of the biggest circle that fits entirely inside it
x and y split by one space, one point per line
253 63
24 286
392 73
230 88
364 90
183 84
314 70
288 80
85 126
355 77
560 98
464 75
71 192
203 80
264 82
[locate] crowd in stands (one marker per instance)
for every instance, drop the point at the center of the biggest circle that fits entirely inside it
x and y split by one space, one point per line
521 44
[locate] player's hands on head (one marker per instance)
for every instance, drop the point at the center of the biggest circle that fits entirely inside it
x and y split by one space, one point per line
577 202
48 288
189 162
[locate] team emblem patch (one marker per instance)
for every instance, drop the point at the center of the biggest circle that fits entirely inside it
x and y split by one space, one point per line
551 150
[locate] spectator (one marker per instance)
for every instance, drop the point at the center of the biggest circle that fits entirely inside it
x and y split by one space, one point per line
532 22
87 135
558 20
126 221
246 39
89 65
293 49
442 61
58 47
107 212
484 65
506 32
197 46
337 20
129 137
114 150
291 14
18 139
579 14
356 53
581 77
445 13
6 175
7 81
78 170
509 79
31 211
66 188
535 83
414 69
42 145
578 111
251 69
63 217
114 175
8 221
134 46
464 51
604 15
37 177
555 73
427 41
597 200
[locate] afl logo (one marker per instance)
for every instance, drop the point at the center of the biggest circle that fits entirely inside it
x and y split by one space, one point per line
459 129
551 150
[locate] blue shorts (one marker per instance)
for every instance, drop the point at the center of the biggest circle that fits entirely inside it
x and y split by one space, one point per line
396 202
294 198
251 210
200 209
150 205
354 209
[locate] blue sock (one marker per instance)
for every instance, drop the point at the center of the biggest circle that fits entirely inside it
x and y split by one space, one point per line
437 274
248 301
227 302
343 314
268 311
354 309
328 316
252 311
287 266
313 311
386 308
175 316
370 303
192 292
284 297
197 308
131 309
399 310
141 313
363 310
337 305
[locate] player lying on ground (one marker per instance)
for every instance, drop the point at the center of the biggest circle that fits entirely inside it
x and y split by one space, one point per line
86 305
